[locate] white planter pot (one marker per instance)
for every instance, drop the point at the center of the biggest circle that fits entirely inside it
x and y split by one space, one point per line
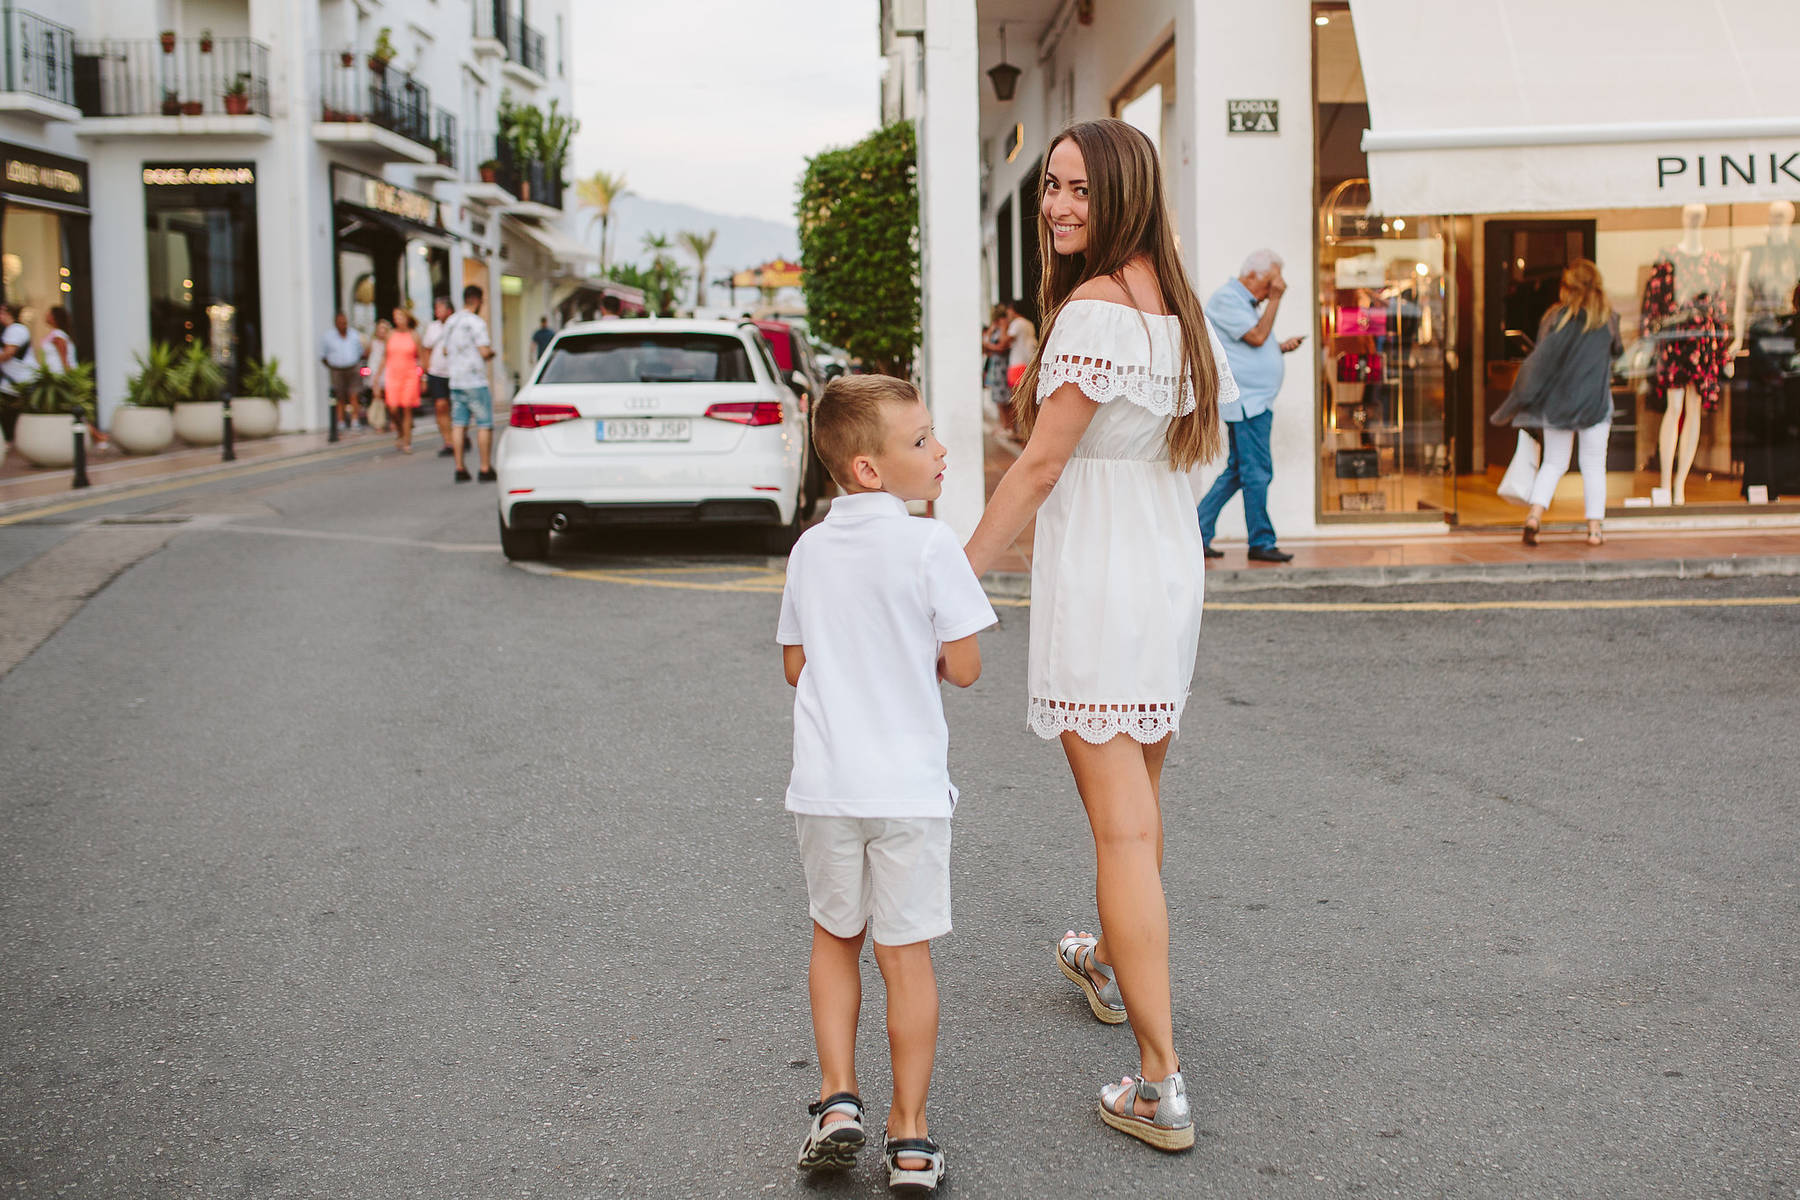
253 417
288 415
142 430
200 423
46 439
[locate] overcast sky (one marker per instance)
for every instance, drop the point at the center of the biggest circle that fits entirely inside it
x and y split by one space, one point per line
719 103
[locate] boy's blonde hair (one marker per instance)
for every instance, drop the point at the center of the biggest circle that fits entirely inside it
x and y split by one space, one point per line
848 421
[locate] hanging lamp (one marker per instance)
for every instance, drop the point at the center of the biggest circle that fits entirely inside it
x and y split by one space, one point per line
1005 76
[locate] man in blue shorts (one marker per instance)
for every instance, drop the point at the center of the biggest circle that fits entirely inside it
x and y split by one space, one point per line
468 347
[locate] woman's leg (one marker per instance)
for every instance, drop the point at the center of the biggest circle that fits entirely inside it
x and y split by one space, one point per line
1552 467
1121 801
1592 450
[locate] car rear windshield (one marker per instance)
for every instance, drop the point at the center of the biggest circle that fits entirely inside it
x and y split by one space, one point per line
647 358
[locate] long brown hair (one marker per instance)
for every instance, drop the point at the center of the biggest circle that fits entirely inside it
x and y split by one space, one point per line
1584 292
1128 217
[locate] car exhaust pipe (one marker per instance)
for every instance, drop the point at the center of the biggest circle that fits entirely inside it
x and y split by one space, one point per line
560 522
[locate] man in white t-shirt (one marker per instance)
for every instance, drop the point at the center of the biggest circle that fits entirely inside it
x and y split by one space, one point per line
17 364
467 347
878 606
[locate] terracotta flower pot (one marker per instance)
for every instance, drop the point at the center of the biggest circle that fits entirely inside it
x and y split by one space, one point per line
192 108
168 42
206 45
171 108
45 439
200 422
142 430
489 174
237 106
253 417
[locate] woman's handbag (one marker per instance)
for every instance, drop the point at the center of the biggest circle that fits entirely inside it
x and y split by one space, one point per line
1516 484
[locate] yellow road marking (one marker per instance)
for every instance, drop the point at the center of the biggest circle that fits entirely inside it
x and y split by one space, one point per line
769 582
170 485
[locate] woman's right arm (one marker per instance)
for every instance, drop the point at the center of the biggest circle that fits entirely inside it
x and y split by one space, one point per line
1062 418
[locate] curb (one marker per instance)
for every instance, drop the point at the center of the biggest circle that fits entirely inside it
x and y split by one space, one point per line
1017 586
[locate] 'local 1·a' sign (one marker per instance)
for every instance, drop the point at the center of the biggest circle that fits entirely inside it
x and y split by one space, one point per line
1253 116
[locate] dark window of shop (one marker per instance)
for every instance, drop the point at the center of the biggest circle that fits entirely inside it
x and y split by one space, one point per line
1031 268
384 263
1003 248
204 280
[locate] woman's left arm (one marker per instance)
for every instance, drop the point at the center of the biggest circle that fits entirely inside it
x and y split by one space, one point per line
1062 418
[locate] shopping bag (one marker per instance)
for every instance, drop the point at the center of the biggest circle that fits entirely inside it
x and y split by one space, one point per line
1516 484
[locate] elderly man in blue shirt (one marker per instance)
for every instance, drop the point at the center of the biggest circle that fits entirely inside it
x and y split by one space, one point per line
1255 359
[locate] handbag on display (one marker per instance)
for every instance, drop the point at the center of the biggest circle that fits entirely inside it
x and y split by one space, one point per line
1515 485
1362 322
1359 368
1361 463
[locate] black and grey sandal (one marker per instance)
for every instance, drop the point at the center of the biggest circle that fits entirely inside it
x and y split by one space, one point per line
913 1181
834 1147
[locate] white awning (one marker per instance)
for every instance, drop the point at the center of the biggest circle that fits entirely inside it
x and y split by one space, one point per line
558 245
1548 105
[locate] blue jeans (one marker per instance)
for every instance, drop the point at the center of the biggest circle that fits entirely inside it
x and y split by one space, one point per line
472 406
1250 469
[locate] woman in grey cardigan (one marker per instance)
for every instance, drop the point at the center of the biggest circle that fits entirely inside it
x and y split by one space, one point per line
1564 389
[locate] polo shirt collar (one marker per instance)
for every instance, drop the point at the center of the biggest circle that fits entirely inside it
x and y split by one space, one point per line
863 505
1243 291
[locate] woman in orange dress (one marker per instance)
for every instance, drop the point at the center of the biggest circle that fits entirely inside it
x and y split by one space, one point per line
400 377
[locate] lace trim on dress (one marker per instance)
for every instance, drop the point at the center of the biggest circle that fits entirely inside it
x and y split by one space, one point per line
1100 723
1102 380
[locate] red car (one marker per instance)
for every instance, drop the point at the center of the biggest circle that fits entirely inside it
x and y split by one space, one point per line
794 353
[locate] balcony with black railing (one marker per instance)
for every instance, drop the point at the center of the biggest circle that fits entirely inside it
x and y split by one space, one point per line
443 138
531 180
172 77
40 58
523 46
358 91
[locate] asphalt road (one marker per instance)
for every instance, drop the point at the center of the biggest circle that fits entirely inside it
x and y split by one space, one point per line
343 859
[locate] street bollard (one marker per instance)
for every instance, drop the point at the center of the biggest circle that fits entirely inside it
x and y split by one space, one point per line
331 416
227 452
80 435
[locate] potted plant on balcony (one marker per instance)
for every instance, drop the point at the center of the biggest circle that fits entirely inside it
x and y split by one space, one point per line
171 104
206 41
489 170
167 38
200 413
254 411
53 401
144 424
192 108
384 51
237 96
346 58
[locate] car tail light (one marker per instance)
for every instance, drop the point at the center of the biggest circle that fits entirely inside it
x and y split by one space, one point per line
536 416
747 412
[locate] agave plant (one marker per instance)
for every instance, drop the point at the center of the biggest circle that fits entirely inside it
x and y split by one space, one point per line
264 379
52 392
154 385
197 376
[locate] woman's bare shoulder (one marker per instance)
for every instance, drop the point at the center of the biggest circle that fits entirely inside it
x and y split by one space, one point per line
1102 287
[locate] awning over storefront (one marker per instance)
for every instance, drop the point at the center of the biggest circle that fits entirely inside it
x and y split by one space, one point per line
1550 105
558 245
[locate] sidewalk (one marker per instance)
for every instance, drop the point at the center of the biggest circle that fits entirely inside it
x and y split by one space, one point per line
1459 556
110 470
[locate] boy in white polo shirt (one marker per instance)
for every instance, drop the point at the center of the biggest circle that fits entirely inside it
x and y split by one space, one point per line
879 605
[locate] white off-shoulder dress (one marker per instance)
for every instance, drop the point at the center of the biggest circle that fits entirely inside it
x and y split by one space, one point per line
1117 567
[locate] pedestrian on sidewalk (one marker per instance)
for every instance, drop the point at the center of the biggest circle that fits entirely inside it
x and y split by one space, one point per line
56 352
541 338
871 789
437 370
1119 402
1564 389
994 364
401 382
468 347
342 352
18 363
377 389
1255 358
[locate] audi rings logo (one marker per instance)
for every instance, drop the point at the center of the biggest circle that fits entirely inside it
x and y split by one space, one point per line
642 403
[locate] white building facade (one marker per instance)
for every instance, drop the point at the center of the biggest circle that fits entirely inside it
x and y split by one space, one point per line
1427 171
233 172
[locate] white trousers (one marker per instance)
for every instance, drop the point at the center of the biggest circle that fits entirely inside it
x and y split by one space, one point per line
1555 464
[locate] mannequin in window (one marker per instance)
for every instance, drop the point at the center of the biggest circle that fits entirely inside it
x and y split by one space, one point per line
1765 323
1767 275
1684 313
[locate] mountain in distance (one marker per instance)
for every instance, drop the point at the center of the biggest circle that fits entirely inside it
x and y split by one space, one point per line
743 241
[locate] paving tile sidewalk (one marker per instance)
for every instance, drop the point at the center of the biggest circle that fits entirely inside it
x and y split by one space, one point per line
1497 556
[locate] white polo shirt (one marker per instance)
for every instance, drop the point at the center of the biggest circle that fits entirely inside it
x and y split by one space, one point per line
871 594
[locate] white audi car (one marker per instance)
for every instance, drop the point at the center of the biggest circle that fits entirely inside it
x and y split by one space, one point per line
656 422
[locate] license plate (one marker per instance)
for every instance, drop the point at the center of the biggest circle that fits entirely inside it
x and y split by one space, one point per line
643 430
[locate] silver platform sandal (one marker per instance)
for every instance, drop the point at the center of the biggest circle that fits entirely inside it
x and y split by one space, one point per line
1171 1128
913 1181
833 1147
1096 980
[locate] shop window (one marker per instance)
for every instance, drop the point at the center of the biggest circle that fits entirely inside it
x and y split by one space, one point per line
204 280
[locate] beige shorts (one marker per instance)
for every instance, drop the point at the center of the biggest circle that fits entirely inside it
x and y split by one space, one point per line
891 876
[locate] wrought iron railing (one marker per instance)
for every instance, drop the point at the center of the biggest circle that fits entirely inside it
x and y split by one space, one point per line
443 137
39 56
524 45
530 178
174 77
357 87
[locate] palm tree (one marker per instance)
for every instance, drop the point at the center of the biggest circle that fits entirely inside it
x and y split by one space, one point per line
700 246
666 276
598 192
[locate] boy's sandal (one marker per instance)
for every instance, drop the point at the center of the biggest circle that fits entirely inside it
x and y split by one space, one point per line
1170 1127
913 1181
1075 955
833 1147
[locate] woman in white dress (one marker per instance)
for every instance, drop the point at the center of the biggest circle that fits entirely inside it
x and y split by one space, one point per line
1121 399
